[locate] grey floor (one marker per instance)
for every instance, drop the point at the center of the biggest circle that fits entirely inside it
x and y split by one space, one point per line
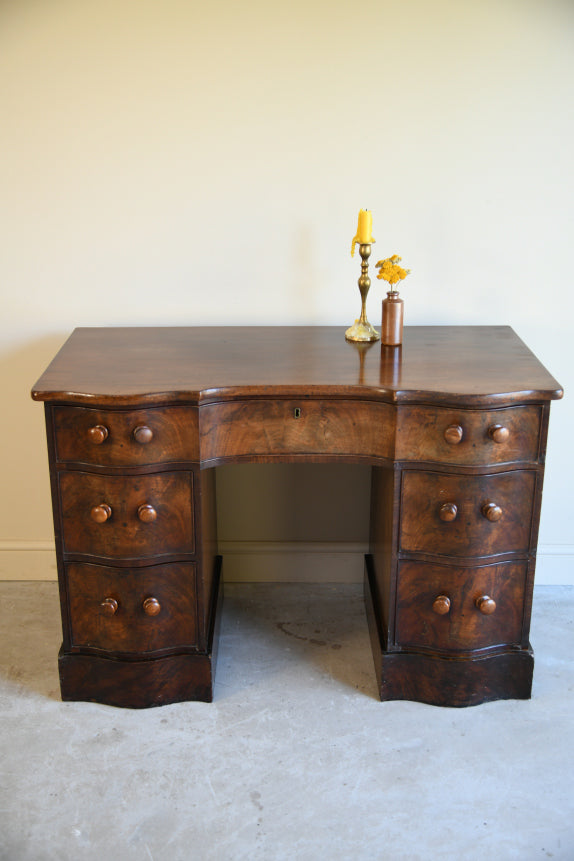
295 759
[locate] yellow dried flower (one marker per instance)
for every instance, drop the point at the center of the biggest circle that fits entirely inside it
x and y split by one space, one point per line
390 271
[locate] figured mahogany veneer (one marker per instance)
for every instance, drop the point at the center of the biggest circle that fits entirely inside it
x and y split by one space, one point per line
462 626
453 423
468 437
149 515
125 438
468 530
249 429
154 608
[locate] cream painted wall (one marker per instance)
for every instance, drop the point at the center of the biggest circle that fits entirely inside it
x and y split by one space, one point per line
183 162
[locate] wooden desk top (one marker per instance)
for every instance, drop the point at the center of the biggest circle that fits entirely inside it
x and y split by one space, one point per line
123 366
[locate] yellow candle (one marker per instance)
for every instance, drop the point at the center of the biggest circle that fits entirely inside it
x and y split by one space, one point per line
364 234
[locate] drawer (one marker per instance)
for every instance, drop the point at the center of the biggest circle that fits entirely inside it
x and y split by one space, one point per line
130 517
466 515
125 437
132 610
447 608
468 436
296 427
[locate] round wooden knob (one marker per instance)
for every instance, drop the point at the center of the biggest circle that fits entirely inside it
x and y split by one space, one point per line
453 434
441 605
147 513
109 606
491 511
486 605
100 513
151 606
143 434
498 433
98 434
448 512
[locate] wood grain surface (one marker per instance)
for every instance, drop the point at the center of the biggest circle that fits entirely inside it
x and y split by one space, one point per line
172 434
463 627
469 533
478 365
123 535
130 628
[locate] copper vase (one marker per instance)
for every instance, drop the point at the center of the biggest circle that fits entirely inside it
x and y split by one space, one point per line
392 326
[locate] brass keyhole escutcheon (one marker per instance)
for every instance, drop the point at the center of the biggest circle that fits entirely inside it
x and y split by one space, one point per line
297 413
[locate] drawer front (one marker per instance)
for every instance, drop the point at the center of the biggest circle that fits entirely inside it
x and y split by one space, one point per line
131 517
126 437
468 436
446 608
466 515
305 427
133 610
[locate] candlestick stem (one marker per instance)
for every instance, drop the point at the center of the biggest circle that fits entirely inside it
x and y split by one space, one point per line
362 330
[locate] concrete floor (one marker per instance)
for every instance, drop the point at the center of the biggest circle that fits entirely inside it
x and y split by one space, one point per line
295 759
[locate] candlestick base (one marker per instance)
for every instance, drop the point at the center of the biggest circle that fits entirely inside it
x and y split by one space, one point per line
362 332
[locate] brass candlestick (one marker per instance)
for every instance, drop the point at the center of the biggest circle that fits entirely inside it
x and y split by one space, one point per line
361 330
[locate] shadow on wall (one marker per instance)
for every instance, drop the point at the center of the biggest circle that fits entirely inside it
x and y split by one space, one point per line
309 502
293 522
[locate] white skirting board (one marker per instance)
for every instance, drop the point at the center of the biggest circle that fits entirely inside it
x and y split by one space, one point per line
28 560
298 561
264 561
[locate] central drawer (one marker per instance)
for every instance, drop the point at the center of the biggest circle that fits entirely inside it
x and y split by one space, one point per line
255 428
466 515
127 517
139 610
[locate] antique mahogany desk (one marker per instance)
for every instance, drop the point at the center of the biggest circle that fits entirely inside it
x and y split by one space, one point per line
453 424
